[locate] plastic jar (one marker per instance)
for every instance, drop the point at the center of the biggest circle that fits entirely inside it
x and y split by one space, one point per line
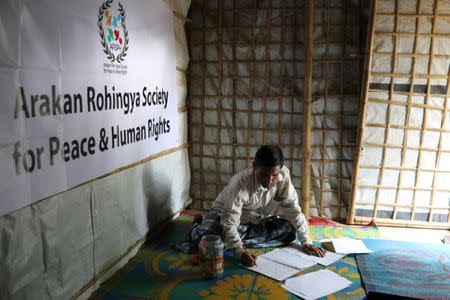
210 251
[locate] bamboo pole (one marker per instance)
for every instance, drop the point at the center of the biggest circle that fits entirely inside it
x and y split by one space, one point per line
282 62
408 114
306 144
438 154
425 115
408 75
402 223
362 110
418 128
412 34
412 55
389 110
341 121
202 119
292 121
181 16
395 102
251 82
219 104
267 76
234 106
325 127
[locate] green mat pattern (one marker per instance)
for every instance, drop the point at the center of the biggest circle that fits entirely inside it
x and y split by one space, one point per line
159 272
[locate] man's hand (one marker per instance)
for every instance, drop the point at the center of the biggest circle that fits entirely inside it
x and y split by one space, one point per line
248 259
313 250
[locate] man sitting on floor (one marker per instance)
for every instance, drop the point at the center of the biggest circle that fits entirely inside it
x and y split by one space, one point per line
258 208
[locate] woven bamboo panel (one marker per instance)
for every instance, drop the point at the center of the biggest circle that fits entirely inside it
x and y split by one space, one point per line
403 159
337 46
248 83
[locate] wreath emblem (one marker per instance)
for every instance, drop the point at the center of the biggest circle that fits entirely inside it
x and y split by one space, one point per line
113 35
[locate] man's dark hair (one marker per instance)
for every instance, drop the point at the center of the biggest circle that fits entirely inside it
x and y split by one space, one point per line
269 156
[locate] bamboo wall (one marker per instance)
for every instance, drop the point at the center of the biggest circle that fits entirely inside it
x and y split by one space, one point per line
403 160
338 47
281 71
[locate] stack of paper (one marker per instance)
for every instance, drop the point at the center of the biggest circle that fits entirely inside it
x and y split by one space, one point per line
316 284
282 263
328 259
348 246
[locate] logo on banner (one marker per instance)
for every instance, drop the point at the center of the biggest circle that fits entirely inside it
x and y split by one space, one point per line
113 32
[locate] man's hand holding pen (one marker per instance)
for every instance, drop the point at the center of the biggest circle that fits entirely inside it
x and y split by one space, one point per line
248 259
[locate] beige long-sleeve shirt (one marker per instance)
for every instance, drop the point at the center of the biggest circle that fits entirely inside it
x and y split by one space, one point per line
244 201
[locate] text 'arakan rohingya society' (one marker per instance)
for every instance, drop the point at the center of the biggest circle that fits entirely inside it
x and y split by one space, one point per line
31 105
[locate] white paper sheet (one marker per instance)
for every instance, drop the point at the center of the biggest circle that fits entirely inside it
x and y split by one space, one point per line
316 284
297 293
349 246
288 259
272 269
328 259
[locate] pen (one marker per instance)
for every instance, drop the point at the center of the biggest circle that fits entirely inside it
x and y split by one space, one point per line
250 255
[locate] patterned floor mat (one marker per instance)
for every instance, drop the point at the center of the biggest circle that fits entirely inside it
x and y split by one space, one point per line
159 272
406 269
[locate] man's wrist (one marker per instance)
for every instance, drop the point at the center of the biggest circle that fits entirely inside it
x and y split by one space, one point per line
304 238
238 251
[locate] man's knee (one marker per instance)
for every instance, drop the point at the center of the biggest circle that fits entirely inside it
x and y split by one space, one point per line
290 231
284 224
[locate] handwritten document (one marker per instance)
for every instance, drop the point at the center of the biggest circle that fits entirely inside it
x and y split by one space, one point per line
288 259
328 259
272 269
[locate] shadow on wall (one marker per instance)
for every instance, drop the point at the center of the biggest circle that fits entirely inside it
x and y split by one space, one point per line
157 189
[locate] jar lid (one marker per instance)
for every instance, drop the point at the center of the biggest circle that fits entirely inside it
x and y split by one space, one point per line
211 238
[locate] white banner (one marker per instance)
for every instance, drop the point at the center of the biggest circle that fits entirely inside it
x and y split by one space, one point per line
87 87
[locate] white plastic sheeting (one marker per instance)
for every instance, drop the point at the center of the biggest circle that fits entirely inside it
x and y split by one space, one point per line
404 162
53 248
47 248
247 87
